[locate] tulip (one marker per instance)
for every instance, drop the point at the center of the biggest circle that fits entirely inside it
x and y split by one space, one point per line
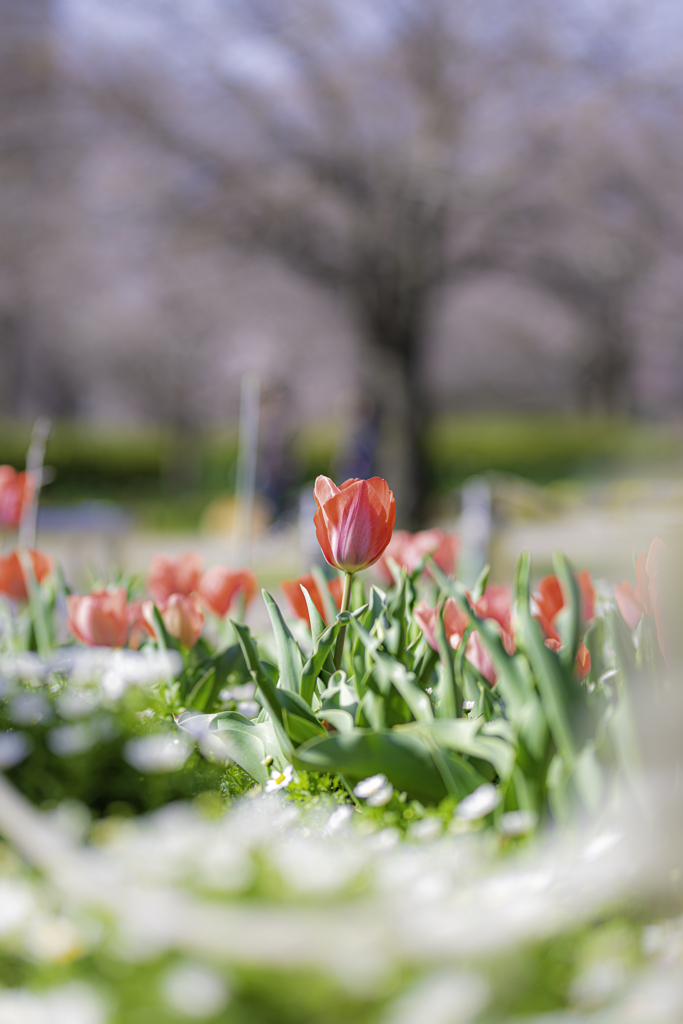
549 601
182 615
408 550
12 576
353 524
583 656
295 595
219 586
181 575
16 492
645 598
99 619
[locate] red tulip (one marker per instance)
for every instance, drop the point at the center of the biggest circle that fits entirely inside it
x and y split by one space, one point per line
99 619
353 522
549 601
180 575
182 615
12 577
295 595
583 656
645 598
409 549
16 492
219 586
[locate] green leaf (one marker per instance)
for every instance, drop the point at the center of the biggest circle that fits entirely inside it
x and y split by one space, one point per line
342 720
329 607
403 757
559 690
449 693
570 625
317 621
313 667
466 737
248 743
290 661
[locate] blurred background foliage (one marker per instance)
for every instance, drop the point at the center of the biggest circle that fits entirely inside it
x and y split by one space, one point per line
131 465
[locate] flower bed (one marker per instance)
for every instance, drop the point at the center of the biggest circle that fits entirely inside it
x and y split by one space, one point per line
408 801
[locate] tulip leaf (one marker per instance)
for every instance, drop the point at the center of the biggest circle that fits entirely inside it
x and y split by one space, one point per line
450 694
467 737
289 657
404 757
266 689
314 665
571 633
316 619
248 743
322 583
557 686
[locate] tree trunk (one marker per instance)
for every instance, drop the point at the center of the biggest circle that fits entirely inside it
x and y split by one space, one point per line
605 378
392 380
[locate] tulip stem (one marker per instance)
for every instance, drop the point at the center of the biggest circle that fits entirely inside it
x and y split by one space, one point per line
346 601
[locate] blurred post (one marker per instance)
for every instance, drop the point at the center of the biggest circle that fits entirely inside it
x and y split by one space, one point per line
475 528
35 457
250 397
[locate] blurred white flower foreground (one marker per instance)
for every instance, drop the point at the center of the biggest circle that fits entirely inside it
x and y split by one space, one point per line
360 908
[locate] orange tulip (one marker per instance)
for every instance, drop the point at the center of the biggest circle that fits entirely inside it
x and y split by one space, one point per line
219 586
16 492
99 619
549 601
180 575
182 615
295 595
353 522
645 597
409 549
12 578
583 656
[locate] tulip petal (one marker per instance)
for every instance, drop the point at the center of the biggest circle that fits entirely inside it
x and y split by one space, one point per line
629 603
324 490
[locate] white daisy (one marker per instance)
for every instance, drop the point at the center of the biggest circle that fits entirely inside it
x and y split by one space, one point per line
279 779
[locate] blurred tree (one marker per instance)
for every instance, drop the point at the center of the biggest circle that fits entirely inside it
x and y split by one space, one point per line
352 142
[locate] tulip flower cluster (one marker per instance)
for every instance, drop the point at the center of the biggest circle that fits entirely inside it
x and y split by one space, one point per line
179 588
